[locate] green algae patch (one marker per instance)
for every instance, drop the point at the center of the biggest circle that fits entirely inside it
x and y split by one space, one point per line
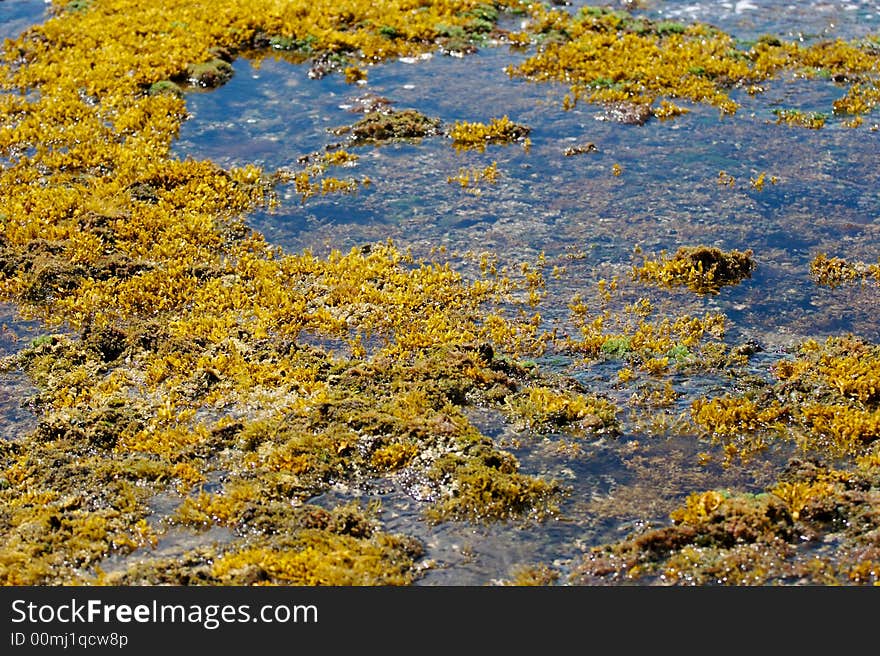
208 75
796 117
390 126
643 337
702 269
722 538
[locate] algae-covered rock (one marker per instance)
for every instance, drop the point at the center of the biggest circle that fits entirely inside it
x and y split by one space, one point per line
703 269
165 86
391 125
208 75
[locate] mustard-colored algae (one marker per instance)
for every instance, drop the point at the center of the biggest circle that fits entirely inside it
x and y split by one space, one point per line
185 355
638 68
700 268
185 334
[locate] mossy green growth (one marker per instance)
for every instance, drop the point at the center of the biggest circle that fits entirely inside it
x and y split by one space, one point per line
639 337
616 347
165 86
797 117
391 125
209 74
73 5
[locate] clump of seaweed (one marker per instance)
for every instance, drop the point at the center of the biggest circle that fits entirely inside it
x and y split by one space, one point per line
310 180
826 400
760 180
486 486
811 120
390 125
836 272
637 336
580 149
341 546
542 410
626 112
859 99
348 41
476 136
469 179
667 110
207 75
702 269
532 575
628 63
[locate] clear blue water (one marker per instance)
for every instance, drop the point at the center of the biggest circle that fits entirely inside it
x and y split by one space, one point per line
17 15
826 200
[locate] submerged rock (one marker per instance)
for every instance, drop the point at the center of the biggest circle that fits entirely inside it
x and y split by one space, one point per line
628 113
703 269
391 125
